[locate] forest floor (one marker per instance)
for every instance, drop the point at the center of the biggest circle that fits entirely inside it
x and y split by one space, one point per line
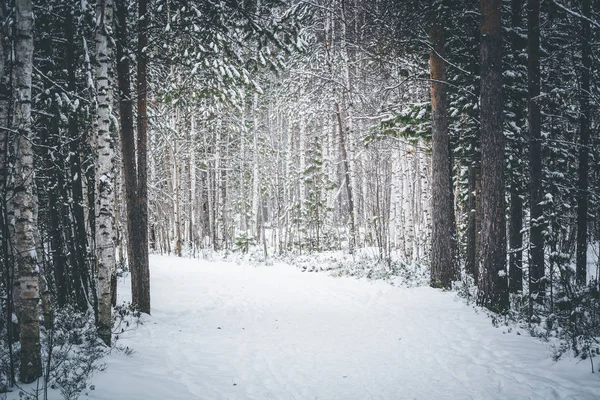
220 330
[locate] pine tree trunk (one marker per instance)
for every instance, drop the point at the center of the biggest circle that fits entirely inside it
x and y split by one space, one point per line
536 262
136 192
443 233
141 233
584 142
493 285
24 201
105 170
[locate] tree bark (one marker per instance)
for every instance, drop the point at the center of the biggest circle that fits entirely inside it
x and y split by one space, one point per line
493 285
443 233
137 221
141 233
105 169
24 201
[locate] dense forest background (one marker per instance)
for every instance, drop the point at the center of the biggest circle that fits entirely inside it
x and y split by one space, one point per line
457 137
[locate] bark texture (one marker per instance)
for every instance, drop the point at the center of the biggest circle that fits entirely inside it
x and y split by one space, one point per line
141 234
443 233
105 169
493 284
24 201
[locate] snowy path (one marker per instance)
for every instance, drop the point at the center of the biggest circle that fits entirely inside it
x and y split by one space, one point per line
224 331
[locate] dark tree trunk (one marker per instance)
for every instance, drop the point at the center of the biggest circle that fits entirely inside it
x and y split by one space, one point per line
128 148
493 285
141 233
471 256
536 262
584 142
443 235
515 266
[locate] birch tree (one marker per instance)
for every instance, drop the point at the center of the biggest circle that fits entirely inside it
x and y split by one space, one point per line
105 168
24 200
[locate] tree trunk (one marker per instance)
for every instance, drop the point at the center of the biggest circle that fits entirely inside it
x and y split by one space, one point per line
584 142
443 233
105 169
24 199
471 260
536 262
493 285
141 233
137 221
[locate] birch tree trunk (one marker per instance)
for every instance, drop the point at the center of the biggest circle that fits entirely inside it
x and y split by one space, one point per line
105 169
24 200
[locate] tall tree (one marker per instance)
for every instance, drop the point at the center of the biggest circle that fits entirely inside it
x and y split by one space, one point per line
24 200
536 262
105 168
493 284
141 234
137 235
584 142
443 231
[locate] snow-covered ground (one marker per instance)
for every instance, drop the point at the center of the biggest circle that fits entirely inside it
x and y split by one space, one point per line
224 331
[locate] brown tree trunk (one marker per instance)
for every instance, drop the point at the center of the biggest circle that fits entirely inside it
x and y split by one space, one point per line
141 233
493 285
443 233
127 140
136 193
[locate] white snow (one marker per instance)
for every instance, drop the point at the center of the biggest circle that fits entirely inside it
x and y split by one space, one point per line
224 331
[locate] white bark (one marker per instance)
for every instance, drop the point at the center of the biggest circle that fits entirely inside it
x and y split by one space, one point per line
24 200
105 167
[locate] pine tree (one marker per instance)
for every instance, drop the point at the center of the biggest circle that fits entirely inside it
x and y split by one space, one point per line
493 284
443 231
